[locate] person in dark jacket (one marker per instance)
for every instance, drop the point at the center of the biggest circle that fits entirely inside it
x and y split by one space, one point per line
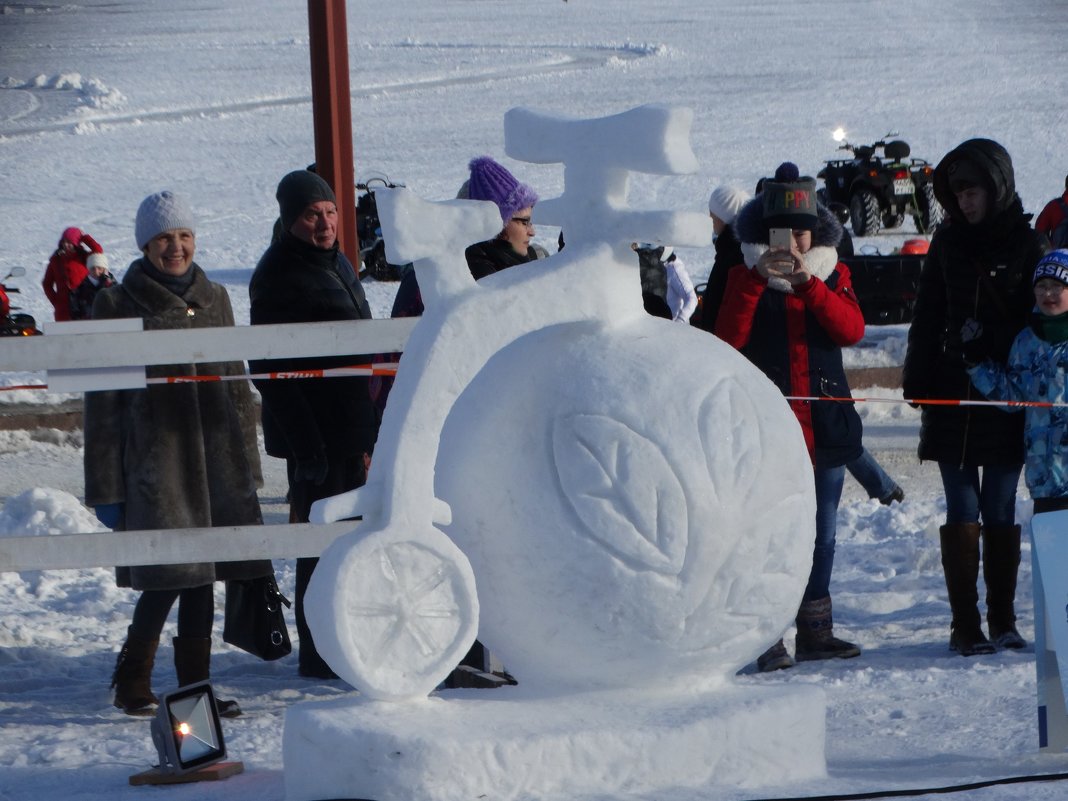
490 181
978 268
97 277
170 456
791 312
724 203
325 428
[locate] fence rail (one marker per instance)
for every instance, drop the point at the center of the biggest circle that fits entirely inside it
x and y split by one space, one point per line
82 345
167 546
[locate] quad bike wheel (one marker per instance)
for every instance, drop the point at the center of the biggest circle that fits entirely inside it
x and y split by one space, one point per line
864 212
931 212
893 220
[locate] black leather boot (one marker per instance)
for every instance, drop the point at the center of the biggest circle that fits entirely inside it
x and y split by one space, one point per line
192 663
132 679
960 563
1001 562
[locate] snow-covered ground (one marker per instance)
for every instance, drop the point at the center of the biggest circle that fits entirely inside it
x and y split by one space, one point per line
102 103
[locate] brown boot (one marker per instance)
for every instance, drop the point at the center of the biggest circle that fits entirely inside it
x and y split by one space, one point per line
815 634
192 661
960 563
1001 560
775 658
132 679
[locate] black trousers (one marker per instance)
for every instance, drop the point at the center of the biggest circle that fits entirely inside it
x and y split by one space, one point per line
196 612
343 475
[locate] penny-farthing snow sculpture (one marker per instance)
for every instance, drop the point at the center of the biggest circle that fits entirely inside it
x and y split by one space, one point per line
632 497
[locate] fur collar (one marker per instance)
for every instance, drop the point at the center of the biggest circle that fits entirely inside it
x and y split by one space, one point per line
156 298
820 260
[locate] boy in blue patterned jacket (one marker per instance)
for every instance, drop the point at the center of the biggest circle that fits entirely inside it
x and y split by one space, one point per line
1037 370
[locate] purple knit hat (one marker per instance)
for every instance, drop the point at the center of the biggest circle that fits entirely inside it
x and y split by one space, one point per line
490 181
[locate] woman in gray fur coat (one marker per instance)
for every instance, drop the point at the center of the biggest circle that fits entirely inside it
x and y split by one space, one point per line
172 455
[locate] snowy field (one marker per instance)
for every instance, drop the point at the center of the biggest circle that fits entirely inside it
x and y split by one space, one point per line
102 103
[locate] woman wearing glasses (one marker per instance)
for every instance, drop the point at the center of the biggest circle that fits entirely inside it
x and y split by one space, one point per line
978 269
490 181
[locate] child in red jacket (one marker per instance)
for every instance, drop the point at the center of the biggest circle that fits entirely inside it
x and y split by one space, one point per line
67 269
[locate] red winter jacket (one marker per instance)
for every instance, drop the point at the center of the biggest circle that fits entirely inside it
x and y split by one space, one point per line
796 339
65 272
1050 216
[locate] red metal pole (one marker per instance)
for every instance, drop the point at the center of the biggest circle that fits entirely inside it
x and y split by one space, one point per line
332 113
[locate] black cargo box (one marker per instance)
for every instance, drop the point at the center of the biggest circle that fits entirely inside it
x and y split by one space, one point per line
886 286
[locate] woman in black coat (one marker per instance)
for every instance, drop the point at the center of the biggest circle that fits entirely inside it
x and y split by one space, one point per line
977 272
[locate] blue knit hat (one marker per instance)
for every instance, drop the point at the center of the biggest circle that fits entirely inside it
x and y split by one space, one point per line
1053 265
163 211
490 181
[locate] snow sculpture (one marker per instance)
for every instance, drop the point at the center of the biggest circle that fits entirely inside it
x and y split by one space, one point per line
634 498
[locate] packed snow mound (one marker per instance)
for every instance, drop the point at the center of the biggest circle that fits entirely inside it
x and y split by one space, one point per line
42 511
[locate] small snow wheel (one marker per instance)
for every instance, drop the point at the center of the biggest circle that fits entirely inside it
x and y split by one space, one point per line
405 611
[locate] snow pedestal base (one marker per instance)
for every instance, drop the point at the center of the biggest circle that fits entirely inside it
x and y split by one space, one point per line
469 745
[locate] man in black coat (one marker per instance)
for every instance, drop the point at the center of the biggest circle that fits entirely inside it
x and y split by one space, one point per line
977 278
325 428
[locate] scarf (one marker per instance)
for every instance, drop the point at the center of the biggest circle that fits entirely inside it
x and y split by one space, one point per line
178 284
1050 328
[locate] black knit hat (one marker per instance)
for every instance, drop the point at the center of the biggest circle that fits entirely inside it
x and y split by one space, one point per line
790 199
298 190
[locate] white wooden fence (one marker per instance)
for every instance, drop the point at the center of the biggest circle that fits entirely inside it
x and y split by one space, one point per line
85 349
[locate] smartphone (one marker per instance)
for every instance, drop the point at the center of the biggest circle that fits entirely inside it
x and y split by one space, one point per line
780 238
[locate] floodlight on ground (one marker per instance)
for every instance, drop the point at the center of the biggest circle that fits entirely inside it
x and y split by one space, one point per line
187 730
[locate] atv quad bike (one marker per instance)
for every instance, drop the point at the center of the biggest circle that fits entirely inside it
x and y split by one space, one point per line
880 185
369 232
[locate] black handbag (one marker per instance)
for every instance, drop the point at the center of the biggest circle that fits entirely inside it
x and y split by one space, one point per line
253 620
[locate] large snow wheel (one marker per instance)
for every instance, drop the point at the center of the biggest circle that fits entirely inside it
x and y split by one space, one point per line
864 213
930 209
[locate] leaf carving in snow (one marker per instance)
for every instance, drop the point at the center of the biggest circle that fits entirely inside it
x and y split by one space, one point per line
730 440
623 490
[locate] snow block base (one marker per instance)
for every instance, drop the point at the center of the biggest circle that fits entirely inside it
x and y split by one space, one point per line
464 744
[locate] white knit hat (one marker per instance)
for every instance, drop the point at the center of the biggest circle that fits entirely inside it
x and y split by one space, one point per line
163 211
96 260
726 201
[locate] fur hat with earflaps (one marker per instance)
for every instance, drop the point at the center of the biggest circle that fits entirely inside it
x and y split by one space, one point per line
787 200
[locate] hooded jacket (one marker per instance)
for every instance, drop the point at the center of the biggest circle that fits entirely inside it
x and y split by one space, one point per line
981 272
795 335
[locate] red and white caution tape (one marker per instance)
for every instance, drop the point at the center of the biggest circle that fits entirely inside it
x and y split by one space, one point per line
383 369
936 401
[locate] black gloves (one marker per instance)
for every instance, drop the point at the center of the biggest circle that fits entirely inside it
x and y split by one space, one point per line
312 469
972 347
